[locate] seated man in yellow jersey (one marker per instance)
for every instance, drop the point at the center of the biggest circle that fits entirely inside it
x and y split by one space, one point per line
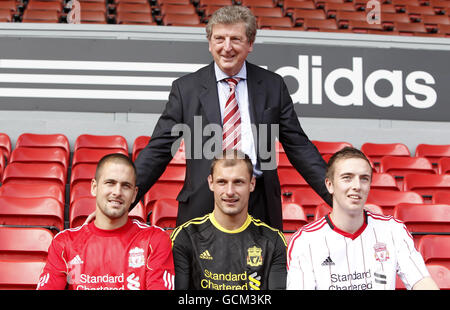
351 248
228 249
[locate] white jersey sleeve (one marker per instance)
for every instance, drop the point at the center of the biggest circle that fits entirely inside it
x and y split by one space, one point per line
300 274
410 264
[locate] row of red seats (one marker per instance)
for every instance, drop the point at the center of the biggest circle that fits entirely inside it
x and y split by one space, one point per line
332 16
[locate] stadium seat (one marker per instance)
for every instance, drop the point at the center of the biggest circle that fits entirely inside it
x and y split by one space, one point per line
344 17
44 141
440 275
48 173
271 22
444 166
182 2
363 26
5 145
180 20
435 249
80 181
433 152
374 208
138 144
100 142
307 198
388 199
299 15
159 191
422 219
267 12
427 185
40 155
165 213
331 8
6 16
289 5
20 275
134 18
433 22
375 151
258 3
2 166
94 6
318 24
24 243
416 11
124 7
41 211
383 181
290 180
45 5
322 210
178 9
93 156
293 217
81 208
441 197
33 190
328 147
219 3
40 16
399 167
409 28
8 5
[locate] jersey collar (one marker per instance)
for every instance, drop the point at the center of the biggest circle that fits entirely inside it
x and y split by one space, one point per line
344 233
219 227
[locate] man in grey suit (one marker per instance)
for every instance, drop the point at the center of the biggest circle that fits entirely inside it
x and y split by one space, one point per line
197 102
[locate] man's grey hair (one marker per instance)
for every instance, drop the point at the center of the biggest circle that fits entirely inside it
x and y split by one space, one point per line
233 14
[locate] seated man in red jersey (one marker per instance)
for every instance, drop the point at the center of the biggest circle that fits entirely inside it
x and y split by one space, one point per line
113 252
351 248
228 249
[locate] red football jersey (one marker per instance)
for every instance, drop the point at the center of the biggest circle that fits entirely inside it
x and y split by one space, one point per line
134 257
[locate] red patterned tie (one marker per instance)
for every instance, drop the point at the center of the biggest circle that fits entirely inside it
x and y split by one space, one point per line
232 119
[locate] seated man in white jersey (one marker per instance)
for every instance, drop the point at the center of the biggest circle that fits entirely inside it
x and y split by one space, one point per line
228 249
352 248
113 252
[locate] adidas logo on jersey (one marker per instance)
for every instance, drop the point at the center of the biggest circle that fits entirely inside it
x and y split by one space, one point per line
76 261
328 262
206 255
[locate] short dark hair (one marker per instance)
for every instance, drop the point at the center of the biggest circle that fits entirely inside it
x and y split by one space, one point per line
115 157
231 158
345 153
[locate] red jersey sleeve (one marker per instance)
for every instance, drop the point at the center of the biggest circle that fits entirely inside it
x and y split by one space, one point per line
54 275
160 269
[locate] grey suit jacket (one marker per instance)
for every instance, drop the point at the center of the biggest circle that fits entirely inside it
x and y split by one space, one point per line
194 100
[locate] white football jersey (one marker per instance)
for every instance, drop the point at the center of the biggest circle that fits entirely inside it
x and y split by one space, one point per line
323 257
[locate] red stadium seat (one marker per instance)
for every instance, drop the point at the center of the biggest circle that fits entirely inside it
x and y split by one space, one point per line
383 181
435 249
440 275
344 17
219 3
290 180
421 219
48 173
6 16
322 210
299 15
444 166
139 143
124 7
399 167
33 190
308 199
388 199
267 12
81 208
441 197
2 165
293 217
427 185
410 28
5 145
101 142
45 5
20 275
93 6
165 213
80 181
327 147
258 3
374 208
289 5
375 151
44 212
163 2
274 22
159 191
10 6
433 152
318 25
178 9
38 16
44 141
363 26
40 155
93 156
331 8
135 18
24 243
180 20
